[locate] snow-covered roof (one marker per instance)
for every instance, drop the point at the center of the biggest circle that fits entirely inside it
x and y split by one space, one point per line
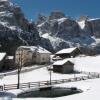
68 50
62 62
2 55
37 49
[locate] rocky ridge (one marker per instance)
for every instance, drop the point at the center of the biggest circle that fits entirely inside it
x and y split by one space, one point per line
53 32
63 32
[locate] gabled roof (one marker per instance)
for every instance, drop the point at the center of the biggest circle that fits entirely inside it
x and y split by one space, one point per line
62 62
38 49
2 55
67 51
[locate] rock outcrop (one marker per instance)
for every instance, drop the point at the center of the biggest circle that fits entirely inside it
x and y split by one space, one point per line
63 31
15 29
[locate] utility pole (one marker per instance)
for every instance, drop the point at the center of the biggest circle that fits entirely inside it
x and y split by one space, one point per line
20 64
50 74
74 74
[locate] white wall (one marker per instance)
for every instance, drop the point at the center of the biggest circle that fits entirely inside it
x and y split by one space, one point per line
43 58
29 57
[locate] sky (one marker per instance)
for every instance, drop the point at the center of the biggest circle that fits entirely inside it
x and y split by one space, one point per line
73 8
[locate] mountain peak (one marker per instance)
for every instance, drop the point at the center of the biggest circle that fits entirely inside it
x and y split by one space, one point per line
56 15
63 31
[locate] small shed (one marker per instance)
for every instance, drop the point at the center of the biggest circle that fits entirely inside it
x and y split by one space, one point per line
9 62
63 66
68 53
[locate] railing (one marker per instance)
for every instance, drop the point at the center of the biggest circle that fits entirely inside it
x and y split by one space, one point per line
41 84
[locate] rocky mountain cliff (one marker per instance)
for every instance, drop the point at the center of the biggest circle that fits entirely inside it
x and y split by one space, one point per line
63 32
53 32
15 29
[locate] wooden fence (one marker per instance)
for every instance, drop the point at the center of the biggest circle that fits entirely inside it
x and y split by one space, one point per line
42 84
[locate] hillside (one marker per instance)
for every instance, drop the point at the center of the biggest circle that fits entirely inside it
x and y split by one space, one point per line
15 29
53 32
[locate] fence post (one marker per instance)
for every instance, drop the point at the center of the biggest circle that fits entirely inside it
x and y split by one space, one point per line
62 80
39 84
4 87
29 84
47 83
98 75
1 88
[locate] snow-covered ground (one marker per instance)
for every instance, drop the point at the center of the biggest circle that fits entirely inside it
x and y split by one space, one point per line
88 63
91 88
36 75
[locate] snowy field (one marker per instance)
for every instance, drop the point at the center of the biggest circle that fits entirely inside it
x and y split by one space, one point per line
88 63
36 75
90 87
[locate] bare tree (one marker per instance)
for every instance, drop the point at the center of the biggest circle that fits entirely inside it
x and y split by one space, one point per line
19 65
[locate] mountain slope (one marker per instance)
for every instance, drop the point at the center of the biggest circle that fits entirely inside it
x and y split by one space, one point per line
63 32
15 29
53 32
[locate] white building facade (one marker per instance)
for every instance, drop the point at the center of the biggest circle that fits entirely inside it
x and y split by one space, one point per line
28 55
